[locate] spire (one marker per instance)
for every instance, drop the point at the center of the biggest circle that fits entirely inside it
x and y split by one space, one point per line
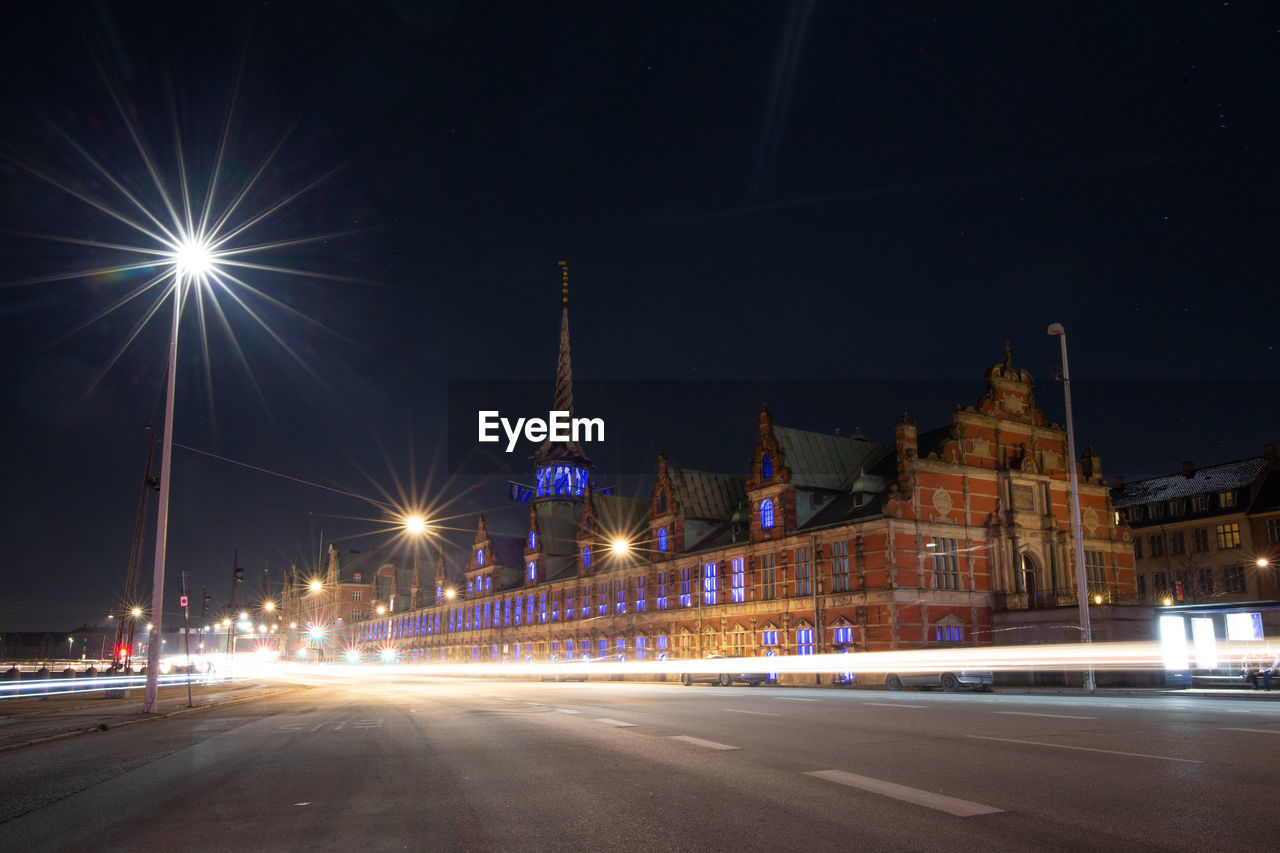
564 369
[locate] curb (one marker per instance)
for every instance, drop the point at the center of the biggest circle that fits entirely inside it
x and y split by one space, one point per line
106 727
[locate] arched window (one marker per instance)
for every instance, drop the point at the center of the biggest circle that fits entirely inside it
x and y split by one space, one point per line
479 556
533 570
766 513
586 557
766 466
533 540
662 538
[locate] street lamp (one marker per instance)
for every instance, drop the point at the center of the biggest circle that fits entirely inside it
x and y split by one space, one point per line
1082 589
192 260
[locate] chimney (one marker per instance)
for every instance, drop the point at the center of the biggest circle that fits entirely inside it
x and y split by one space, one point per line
1269 451
905 440
1187 468
1117 481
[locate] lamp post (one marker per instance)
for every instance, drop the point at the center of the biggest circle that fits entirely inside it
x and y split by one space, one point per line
1082 588
192 260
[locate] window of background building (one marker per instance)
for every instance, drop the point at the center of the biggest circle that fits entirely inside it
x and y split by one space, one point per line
1204 582
1142 586
738 579
1159 583
1178 507
357 614
1199 503
766 513
1226 500
1137 547
1155 511
840 566
1200 540
1273 531
1177 542
1135 514
357 594
768 576
1228 536
948 633
1233 579
946 565
804 583
1155 542
1096 567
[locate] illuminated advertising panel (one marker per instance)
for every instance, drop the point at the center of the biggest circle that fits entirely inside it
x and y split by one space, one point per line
1206 643
1173 642
1244 627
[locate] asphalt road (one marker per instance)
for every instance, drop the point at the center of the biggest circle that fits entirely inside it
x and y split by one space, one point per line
408 762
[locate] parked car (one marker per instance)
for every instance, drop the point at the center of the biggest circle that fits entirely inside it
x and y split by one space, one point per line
724 679
980 680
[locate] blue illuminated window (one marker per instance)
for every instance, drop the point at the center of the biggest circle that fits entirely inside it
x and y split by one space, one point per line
469 582
640 594
488 583
766 513
542 606
586 557
528 610
439 592
486 614
766 466
533 570
620 588
686 599
843 635
662 641
517 611
479 557
639 648
603 645
769 638
739 581
804 641
506 616
568 649
662 590
533 539
710 584
662 538
949 633
555 609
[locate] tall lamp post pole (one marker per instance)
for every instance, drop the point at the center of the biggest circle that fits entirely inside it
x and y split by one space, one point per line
1082 588
162 517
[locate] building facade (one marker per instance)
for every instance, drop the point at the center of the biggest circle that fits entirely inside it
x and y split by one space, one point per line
826 543
1206 535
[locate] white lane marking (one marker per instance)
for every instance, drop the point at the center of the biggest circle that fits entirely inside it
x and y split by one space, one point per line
303 804
507 699
609 722
757 713
1057 716
1258 731
568 711
1088 749
709 744
527 702
894 705
940 802
339 726
795 699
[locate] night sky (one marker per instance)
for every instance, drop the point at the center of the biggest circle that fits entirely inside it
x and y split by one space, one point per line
845 209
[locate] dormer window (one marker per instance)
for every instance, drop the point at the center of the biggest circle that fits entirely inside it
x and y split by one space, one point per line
1226 500
766 513
766 467
357 577
1155 511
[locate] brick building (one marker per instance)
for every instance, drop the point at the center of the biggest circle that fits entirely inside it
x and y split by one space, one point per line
826 542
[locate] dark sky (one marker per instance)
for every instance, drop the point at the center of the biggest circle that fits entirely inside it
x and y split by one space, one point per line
843 208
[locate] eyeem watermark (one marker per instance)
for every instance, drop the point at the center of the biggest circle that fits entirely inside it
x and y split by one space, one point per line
559 426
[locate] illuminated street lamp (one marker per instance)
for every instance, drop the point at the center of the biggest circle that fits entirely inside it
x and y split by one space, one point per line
1082 588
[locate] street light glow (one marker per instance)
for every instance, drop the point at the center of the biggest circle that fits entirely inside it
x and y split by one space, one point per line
316 586
621 546
415 524
193 257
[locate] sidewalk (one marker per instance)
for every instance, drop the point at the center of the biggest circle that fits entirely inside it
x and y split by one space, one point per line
29 720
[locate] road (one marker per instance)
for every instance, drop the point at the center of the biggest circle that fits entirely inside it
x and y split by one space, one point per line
410 762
